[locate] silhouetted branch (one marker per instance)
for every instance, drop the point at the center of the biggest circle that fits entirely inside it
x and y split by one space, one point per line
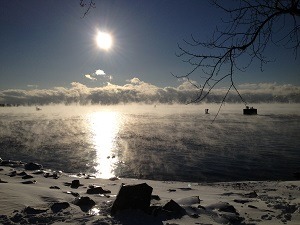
88 6
249 29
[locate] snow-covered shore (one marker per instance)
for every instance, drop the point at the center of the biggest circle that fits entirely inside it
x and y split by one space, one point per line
47 197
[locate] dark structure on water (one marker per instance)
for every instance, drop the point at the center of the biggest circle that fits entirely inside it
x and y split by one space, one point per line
250 111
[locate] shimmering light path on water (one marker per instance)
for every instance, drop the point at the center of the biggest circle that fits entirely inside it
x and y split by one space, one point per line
166 142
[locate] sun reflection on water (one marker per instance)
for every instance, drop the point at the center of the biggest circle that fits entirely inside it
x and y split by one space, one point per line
105 126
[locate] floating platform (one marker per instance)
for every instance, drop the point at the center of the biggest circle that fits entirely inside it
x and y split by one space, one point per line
250 111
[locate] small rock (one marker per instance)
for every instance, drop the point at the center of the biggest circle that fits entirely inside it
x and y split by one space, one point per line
12 173
155 197
3 182
54 187
226 207
23 173
29 182
173 207
85 203
33 166
38 172
266 217
11 163
31 210
27 177
252 194
17 218
241 201
53 175
75 184
97 190
58 206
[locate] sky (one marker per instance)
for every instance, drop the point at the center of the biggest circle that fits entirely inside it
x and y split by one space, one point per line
48 46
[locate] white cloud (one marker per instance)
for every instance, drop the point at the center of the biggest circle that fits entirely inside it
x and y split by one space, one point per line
90 77
99 72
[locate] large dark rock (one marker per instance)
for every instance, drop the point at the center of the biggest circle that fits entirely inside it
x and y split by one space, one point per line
133 197
33 166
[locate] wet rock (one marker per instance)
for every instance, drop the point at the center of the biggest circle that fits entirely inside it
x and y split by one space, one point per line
97 190
133 197
33 166
31 210
59 206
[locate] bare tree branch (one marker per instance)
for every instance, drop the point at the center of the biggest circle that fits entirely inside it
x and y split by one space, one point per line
88 6
249 29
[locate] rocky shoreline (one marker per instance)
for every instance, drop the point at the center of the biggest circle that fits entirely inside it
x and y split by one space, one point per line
31 194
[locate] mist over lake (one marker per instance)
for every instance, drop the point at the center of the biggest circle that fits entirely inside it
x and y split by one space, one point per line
163 142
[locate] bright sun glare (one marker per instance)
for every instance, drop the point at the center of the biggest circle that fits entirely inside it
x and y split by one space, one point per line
104 40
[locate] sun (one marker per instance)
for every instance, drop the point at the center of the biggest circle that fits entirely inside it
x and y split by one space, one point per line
104 40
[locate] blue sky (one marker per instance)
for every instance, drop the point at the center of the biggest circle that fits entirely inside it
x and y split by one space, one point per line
47 44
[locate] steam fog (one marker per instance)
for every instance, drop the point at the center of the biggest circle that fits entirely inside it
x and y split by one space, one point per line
137 91
164 142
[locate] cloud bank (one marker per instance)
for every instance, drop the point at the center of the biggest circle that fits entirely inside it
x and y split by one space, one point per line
137 91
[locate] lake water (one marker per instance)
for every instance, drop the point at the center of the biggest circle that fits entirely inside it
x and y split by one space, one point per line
166 142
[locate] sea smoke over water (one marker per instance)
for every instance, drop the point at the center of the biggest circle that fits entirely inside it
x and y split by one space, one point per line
164 142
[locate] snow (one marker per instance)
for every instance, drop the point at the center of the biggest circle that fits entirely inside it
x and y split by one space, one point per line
256 202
